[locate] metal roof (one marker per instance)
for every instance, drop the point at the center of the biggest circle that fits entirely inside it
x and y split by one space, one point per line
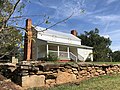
56 33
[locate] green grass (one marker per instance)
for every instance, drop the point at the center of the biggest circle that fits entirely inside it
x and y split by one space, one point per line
97 83
105 62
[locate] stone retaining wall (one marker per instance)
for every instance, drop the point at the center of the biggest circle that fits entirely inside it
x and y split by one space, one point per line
30 75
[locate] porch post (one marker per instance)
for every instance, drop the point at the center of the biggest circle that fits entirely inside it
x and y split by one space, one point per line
47 50
68 51
58 50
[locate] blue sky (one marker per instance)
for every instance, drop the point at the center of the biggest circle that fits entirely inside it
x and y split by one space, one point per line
101 14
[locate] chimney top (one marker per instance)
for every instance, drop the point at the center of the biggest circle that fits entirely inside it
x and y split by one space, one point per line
74 32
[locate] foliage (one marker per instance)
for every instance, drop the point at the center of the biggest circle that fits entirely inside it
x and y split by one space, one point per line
10 36
116 56
11 40
51 57
101 50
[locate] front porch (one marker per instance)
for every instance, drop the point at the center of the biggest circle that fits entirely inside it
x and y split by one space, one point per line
63 52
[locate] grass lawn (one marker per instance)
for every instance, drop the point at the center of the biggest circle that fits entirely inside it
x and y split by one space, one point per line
105 62
97 83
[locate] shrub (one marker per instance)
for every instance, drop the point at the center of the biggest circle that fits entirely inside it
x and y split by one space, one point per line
51 57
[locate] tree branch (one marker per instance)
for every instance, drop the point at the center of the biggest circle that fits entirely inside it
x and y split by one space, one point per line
58 22
7 18
12 11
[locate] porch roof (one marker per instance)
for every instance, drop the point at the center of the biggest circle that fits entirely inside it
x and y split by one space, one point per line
73 45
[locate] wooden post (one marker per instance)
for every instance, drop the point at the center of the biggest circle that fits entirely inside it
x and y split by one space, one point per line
28 40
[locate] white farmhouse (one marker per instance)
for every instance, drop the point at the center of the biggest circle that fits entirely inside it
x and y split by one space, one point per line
65 46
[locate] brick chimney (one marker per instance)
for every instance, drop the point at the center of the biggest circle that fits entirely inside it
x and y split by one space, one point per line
28 40
74 32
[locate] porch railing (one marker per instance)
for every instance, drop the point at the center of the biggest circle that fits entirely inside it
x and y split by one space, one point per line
64 55
73 57
53 52
81 58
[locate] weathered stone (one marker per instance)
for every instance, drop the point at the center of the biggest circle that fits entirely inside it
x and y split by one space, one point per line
44 73
75 65
93 67
85 74
33 81
75 72
83 71
48 67
93 71
96 74
39 72
99 71
104 65
64 77
68 66
50 81
79 76
92 75
102 72
83 68
62 69
69 70
74 69
88 73
111 71
89 68
96 68
88 76
51 76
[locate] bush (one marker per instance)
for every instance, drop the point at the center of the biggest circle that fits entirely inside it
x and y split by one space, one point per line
51 57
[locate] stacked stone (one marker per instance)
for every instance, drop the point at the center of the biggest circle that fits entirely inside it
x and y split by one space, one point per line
38 75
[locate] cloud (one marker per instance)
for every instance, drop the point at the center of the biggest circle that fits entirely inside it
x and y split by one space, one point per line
64 8
114 36
68 7
114 32
115 18
96 11
115 47
111 1
105 36
44 4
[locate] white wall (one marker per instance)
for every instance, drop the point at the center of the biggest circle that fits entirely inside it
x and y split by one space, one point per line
85 53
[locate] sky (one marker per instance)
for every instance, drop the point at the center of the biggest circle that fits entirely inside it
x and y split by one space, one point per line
87 15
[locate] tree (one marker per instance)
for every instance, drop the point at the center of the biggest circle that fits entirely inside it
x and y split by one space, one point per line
10 36
116 56
101 50
10 41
